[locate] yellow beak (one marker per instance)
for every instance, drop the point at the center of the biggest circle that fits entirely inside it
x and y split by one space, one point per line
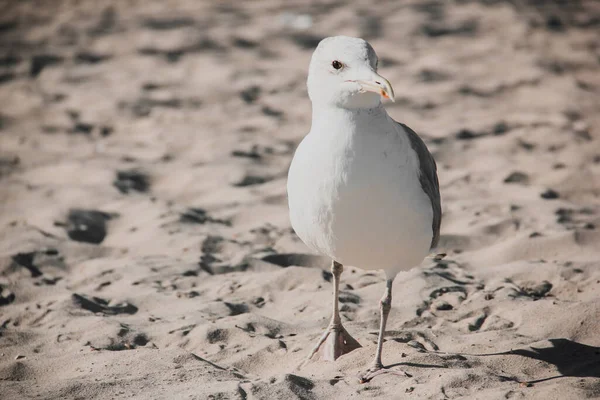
378 84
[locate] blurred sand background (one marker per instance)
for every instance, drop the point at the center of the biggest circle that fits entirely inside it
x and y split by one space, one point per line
145 247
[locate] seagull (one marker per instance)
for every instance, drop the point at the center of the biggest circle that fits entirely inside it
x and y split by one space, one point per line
362 188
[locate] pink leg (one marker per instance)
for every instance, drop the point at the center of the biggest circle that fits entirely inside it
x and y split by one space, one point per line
336 341
385 305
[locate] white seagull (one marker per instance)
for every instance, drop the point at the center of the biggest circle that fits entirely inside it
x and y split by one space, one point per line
362 188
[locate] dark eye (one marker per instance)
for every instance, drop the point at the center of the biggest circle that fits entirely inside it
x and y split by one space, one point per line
336 64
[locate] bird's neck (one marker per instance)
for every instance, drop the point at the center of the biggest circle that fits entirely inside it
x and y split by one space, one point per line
329 115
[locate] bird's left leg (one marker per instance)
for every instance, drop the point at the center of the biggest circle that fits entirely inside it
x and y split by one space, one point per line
385 305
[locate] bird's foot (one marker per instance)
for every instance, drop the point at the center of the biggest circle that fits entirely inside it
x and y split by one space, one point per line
335 342
379 369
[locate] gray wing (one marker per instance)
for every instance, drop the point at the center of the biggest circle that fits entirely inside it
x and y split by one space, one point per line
428 179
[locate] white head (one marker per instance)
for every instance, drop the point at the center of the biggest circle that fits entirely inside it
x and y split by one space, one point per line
343 73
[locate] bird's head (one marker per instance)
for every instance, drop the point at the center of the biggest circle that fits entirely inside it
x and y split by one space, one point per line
343 73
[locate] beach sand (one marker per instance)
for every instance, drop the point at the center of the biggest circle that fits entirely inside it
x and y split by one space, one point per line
145 245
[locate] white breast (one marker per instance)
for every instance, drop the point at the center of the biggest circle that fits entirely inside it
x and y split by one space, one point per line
354 193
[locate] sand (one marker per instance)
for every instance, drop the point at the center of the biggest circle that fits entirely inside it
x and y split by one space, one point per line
145 245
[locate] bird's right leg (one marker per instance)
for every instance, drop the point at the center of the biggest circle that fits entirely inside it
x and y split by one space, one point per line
336 341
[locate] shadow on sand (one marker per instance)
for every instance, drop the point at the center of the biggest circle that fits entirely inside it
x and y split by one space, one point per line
570 358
